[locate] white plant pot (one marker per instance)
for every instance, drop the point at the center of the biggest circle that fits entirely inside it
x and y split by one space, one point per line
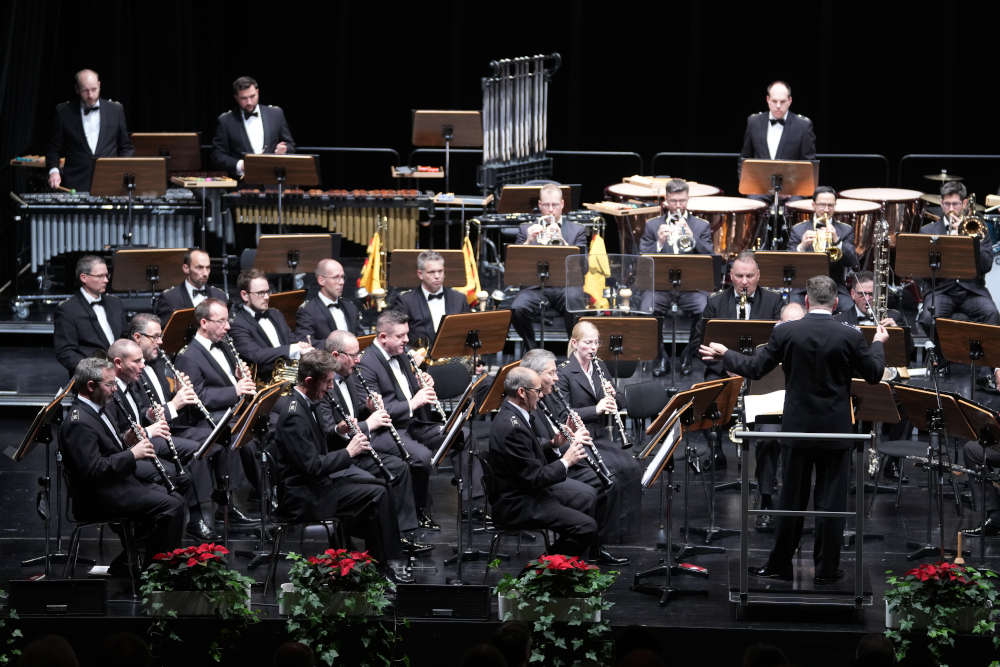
185 603
559 607
964 621
287 598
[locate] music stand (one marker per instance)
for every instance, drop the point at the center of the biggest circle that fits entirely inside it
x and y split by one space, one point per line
129 176
541 265
471 334
872 403
176 330
453 434
286 253
364 342
433 129
785 270
744 336
41 430
288 303
494 397
134 270
625 339
940 415
281 170
987 427
797 178
524 198
182 150
972 341
403 268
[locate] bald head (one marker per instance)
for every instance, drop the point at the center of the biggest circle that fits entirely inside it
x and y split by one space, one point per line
330 277
126 355
88 87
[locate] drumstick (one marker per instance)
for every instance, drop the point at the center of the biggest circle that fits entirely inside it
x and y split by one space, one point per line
69 190
958 556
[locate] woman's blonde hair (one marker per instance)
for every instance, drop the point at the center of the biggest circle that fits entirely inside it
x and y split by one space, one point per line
579 331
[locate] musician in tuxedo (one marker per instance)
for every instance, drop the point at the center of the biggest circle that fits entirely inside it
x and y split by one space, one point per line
83 131
819 357
101 468
526 305
220 383
549 436
426 305
676 232
250 128
346 398
803 235
580 385
969 297
261 334
197 266
90 320
385 368
315 482
862 294
328 310
530 485
778 134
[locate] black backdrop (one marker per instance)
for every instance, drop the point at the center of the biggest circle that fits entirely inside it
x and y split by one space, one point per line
889 78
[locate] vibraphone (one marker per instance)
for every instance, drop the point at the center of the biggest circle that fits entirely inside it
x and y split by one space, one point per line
62 222
352 213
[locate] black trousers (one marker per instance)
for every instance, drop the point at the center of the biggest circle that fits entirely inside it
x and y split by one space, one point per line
525 309
402 486
419 462
567 508
954 298
973 458
364 503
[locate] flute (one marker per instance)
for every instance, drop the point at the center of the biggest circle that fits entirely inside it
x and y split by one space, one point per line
160 413
380 405
578 424
605 478
140 435
353 430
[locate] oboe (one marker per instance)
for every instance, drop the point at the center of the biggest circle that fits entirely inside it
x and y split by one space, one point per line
160 413
577 425
185 382
352 430
607 389
140 435
438 408
562 428
380 405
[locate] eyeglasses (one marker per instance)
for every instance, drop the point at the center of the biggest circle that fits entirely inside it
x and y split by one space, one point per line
223 319
355 355
867 294
99 276
263 292
110 383
535 389
158 336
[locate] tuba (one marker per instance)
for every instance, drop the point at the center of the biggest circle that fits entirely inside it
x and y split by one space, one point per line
823 242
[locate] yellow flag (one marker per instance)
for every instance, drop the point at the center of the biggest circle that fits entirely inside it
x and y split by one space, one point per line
472 286
598 268
371 271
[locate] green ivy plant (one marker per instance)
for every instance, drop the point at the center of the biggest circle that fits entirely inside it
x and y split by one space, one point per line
201 568
576 639
337 606
9 634
932 595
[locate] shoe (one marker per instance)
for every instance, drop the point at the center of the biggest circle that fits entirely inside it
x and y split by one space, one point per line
823 579
605 557
199 530
893 472
411 547
767 573
662 367
764 523
236 517
720 462
425 521
990 528
119 566
686 367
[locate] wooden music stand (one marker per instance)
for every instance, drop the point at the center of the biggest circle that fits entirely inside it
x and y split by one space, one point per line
288 303
741 335
176 330
494 397
136 270
683 273
113 175
526 264
785 270
897 348
281 170
287 253
917 255
181 149
364 342
433 129
797 178
524 198
471 334
916 401
969 341
681 398
403 268
625 338
725 402
260 407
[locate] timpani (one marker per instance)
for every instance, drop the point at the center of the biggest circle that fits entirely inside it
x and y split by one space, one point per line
634 193
734 221
902 208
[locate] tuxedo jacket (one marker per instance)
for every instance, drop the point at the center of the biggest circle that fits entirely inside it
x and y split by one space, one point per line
850 316
700 229
766 305
314 320
375 369
209 381
798 141
415 306
819 356
984 262
253 344
231 142
177 297
328 418
572 233
69 140
78 334
845 233
579 396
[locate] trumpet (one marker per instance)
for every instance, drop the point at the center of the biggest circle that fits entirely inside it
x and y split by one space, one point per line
677 238
160 414
823 242
376 399
551 233
608 392
183 379
436 405
353 430
600 467
141 435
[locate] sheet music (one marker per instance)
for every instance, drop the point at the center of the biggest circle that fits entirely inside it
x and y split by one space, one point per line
666 447
764 404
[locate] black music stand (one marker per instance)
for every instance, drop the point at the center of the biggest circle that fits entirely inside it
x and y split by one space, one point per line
182 150
785 270
178 330
452 437
987 427
972 341
288 303
797 178
135 270
41 430
875 404
677 273
918 255
541 265
940 415
403 268
524 198
461 129
129 176
281 170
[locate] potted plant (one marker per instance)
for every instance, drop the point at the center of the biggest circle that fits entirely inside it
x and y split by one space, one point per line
940 600
196 581
335 602
9 634
559 594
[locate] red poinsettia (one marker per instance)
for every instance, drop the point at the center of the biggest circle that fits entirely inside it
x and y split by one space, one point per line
560 562
191 556
938 572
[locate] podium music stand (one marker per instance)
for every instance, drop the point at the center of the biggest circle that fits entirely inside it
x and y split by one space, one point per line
129 176
288 303
797 178
177 330
182 150
286 253
940 415
403 268
541 265
987 427
524 198
135 270
461 129
785 270
961 341
471 334
280 170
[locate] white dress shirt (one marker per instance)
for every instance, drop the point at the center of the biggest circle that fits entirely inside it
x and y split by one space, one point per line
397 372
437 306
195 300
102 315
341 384
91 126
218 355
254 126
338 313
774 131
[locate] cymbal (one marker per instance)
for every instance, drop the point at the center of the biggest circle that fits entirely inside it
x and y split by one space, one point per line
936 200
943 176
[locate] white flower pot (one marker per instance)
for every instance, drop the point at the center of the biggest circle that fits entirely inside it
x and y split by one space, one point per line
287 598
559 607
185 603
963 622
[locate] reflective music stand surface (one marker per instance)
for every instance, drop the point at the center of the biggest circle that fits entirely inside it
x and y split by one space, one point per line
288 303
291 253
176 329
969 342
403 268
129 177
281 170
623 272
181 149
785 270
137 270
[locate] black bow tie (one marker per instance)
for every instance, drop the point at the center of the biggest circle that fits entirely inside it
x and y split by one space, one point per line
218 346
200 292
87 110
439 295
260 315
248 114
779 121
335 304
99 302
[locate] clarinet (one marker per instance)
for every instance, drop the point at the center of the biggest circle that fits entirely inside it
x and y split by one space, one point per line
140 435
183 380
605 387
562 428
352 430
438 408
244 371
160 413
379 405
578 423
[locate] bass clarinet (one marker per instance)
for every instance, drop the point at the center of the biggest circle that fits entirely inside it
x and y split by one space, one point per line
577 425
608 393
380 405
353 430
562 428
141 435
160 413
183 379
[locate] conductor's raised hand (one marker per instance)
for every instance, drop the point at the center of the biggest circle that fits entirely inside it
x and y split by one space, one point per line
712 351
